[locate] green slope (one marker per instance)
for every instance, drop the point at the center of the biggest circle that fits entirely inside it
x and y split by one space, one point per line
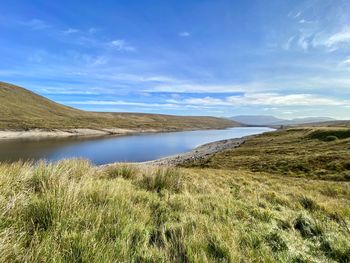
21 109
313 152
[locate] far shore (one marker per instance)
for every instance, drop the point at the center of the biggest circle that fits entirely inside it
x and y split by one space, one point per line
82 132
62 133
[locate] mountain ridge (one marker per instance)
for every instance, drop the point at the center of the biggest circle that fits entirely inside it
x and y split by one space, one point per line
272 120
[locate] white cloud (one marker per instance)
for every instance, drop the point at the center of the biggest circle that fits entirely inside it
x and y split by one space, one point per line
347 61
264 99
184 34
137 78
289 42
136 104
197 88
58 91
335 77
201 101
35 24
284 100
100 60
342 37
70 31
92 30
293 14
270 109
303 43
122 45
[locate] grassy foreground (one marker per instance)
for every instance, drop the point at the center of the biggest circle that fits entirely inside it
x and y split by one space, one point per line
280 197
72 212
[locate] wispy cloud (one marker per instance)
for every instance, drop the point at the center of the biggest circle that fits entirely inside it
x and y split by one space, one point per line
70 31
340 38
92 30
264 99
132 103
201 101
347 61
303 43
121 45
285 100
197 88
35 24
288 44
184 34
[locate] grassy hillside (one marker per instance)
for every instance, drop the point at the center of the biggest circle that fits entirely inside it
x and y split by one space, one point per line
320 153
344 123
22 109
252 204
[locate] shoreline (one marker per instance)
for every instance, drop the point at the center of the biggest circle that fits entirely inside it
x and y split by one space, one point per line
61 133
199 153
83 132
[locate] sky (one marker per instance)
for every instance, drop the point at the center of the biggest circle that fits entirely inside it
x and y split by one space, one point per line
287 58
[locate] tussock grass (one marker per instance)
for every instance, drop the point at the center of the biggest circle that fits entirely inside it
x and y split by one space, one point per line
330 134
123 170
162 178
298 152
71 211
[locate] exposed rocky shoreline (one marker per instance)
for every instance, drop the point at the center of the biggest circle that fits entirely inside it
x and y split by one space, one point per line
56 133
200 153
61 133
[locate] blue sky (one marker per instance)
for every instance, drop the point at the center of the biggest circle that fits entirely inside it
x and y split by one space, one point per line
288 58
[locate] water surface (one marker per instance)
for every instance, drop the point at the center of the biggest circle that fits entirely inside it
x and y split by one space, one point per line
102 150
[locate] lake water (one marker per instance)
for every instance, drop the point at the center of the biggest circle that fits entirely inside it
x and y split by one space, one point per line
102 150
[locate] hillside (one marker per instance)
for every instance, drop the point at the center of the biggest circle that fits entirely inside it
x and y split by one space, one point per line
313 152
21 109
261 202
340 123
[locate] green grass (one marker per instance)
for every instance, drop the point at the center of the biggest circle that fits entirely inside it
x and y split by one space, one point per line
21 109
71 211
330 134
299 152
241 205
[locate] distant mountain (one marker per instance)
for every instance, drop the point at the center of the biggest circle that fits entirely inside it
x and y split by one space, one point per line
256 119
271 120
306 120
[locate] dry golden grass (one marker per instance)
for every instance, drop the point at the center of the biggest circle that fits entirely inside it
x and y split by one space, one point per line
73 212
301 152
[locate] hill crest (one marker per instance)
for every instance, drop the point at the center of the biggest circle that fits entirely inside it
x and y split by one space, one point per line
21 109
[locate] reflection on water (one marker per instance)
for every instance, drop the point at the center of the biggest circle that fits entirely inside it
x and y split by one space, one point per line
102 150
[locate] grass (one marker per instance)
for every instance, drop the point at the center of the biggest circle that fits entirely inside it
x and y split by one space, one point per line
71 211
330 134
21 109
298 152
248 207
